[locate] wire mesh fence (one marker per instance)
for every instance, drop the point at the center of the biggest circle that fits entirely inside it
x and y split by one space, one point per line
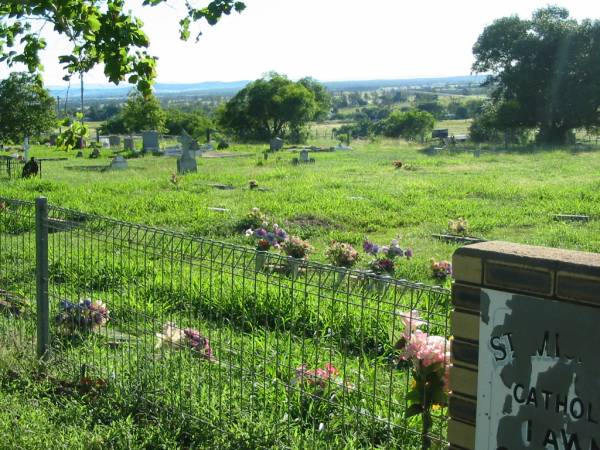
265 350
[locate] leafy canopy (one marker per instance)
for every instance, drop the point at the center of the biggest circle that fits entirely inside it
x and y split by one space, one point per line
547 69
26 107
274 106
100 32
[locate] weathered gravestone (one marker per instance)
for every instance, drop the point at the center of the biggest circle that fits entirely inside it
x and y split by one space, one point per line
114 141
105 142
304 156
186 163
276 144
526 365
118 163
150 141
128 143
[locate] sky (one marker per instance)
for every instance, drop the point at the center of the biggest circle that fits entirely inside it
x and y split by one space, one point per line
326 39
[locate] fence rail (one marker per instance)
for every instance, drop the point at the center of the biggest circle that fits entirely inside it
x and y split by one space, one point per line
267 351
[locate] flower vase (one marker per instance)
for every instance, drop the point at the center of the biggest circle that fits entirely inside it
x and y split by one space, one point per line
382 284
293 267
339 277
261 259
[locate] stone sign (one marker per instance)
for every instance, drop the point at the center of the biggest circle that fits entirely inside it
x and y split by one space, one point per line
150 141
276 144
539 374
525 352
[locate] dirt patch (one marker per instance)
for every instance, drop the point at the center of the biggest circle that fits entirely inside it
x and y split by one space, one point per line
310 221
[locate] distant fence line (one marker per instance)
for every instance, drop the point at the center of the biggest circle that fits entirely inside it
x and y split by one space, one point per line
267 351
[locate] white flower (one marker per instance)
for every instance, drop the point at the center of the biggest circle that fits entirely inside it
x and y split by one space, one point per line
249 232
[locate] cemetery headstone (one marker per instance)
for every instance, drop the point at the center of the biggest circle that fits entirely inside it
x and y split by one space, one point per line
118 163
105 142
276 144
304 156
114 141
186 163
52 140
128 143
150 141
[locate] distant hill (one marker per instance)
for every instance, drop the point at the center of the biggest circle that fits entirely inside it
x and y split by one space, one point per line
231 87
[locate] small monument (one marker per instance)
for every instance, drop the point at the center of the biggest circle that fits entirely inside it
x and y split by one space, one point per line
150 141
114 141
128 143
118 163
304 156
276 144
186 163
105 142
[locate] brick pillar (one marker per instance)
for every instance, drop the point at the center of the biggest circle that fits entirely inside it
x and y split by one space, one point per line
543 273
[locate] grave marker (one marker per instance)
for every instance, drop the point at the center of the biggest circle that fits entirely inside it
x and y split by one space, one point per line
276 144
186 163
128 143
118 163
114 141
150 141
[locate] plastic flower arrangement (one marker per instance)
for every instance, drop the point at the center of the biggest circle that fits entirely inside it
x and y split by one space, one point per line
254 219
342 255
385 256
265 238
429 356
441 269
87 315
296 248
459 226
383 265
179 338
321 377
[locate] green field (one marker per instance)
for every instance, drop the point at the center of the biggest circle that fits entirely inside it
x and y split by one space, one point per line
345 196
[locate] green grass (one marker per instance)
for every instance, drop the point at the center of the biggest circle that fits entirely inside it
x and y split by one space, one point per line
346 196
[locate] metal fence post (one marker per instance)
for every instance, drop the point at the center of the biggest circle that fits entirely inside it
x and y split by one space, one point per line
41 253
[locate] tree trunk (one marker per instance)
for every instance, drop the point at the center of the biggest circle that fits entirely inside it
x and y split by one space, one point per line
554 134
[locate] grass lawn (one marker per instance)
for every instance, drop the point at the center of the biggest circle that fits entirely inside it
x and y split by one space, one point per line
261 328
345 195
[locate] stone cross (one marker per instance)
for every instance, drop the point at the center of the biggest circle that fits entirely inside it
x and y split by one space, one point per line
186 163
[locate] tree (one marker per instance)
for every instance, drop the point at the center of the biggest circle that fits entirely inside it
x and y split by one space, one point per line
546 68
410 124
195 122
269 107
101 31
26 107
143 113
